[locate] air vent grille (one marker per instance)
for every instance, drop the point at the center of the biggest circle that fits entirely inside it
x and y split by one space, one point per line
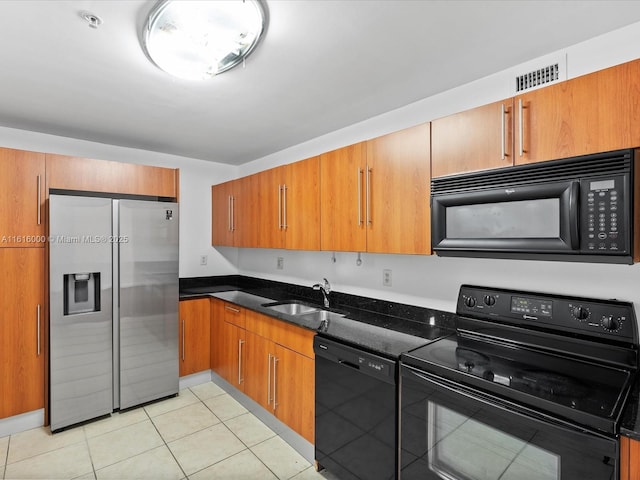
538 77
557 170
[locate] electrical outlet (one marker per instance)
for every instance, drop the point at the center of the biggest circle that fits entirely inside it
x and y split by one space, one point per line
280 265
203 259
386 278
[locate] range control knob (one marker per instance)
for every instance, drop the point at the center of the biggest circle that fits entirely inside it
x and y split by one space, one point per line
609 323
470 302
580 313
489 300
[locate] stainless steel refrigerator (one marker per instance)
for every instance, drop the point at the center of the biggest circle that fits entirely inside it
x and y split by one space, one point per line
113 281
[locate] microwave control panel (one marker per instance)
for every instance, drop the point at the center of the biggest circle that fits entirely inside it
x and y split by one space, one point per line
603 215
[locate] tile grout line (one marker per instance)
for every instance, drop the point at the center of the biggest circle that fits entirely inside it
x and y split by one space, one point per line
6 458
86 441
165 442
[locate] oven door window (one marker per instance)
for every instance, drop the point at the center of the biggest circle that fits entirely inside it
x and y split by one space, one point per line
451 432
489 453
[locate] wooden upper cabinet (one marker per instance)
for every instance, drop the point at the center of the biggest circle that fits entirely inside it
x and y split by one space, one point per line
234 219
269 200
342 196
22 330
22 196
476 139
195 333
397 183
594 113
301 206
86 174
222 215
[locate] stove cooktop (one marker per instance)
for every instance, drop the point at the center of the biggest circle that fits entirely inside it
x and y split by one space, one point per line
590 394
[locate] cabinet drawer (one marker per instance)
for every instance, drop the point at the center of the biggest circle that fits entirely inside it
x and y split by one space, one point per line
295 338
234 314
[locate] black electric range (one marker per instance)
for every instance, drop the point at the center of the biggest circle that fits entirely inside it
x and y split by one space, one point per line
539 372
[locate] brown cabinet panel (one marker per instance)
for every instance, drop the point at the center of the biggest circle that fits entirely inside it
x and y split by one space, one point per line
342 196
86 174
294 391
476 139
398 180
257 378
269 197
301 205
221 215
21 327
217 335
291 336
593 113
234 314
232 368
195 319
629 459
22 196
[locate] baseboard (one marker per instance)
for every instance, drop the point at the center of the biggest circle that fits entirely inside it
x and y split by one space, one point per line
194 379
22 422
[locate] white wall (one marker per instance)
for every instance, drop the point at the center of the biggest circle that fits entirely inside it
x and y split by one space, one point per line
430 280
196 178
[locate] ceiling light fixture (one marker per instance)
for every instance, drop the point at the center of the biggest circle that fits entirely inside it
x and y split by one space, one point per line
197 40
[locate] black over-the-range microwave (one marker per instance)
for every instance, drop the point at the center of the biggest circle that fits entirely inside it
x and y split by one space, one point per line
576 209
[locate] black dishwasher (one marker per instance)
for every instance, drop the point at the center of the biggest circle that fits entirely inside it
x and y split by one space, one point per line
355 412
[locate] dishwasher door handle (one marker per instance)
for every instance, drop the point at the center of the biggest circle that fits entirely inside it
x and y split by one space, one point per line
349 364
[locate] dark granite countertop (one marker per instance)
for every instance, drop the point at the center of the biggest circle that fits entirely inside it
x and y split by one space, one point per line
381 327
630 424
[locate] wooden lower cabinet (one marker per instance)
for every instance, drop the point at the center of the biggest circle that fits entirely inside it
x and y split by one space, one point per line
22 334
629 459
270 361
195 321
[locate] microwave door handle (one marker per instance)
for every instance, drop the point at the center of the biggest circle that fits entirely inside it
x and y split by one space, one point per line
574 217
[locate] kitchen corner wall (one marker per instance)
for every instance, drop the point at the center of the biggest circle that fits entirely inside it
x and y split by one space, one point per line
196 178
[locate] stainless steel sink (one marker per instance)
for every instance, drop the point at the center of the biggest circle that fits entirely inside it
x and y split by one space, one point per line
292 308
322 315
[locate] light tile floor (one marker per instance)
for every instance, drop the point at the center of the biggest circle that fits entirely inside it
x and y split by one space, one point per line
201 434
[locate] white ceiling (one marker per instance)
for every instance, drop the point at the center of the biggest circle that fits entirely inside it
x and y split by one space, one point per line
323 65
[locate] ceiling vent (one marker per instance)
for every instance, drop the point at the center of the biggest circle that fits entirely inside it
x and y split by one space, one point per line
538 78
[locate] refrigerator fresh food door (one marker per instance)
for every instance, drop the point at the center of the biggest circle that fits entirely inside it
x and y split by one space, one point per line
80 282
148 250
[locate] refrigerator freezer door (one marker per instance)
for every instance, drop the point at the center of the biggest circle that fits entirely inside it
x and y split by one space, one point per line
80 282
148 249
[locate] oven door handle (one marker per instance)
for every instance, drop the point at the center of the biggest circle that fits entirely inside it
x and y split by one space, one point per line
574 195
502 405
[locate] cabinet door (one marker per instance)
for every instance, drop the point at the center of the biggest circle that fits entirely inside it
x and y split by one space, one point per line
221 211
194 336
246 212
294 391
594 113
269 186
21 331
476 139
22 198
233 355
217 336
398 185
342 195
301 205
258 386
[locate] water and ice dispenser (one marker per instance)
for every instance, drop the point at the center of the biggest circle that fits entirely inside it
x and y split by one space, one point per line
81 293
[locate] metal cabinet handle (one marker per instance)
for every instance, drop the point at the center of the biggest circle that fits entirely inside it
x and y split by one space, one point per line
502 133
233 213
39 200
229 226
368 195
38 330
521 126
359 196
269 379
231 309
183 340
240 342
284 213
279 207
275 381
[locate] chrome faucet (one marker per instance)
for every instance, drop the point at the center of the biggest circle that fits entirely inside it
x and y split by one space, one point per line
325 288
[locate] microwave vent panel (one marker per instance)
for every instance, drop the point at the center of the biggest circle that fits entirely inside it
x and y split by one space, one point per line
537 78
